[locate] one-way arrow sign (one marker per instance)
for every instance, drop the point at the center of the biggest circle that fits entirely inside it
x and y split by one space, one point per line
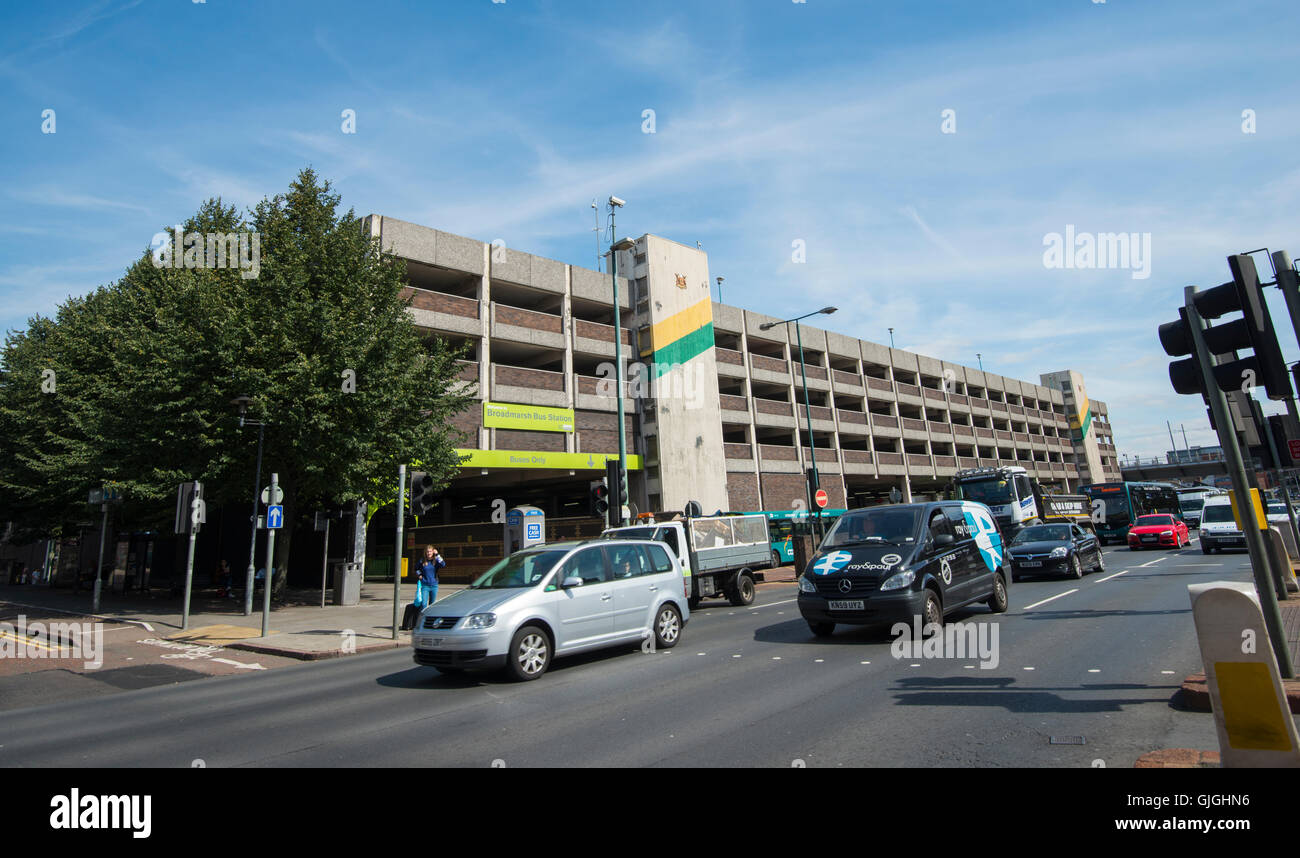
274 517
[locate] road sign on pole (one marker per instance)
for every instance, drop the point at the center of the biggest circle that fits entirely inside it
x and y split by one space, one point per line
274 521
266 495
821 498
274 517
1294 447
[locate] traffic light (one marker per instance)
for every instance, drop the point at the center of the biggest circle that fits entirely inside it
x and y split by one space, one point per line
421 493
600 499
1253 331
616 480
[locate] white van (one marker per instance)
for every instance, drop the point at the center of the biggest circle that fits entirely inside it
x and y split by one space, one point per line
1218 527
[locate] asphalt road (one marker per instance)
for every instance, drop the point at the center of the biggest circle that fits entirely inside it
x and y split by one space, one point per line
1095 660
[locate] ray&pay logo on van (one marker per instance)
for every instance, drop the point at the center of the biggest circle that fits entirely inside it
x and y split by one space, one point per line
985 533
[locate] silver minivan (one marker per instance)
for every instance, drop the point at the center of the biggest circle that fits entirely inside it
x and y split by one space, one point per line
553 600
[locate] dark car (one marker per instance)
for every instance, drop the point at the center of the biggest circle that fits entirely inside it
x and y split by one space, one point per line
1054 549
891 563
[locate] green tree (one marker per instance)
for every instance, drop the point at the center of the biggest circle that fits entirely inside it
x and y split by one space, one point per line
320 340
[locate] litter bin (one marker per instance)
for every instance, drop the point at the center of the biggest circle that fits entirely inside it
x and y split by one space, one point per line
347 583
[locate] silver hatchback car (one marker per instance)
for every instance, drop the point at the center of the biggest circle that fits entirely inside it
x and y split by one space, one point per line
553 600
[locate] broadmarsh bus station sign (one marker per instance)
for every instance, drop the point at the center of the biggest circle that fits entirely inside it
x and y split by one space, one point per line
506 415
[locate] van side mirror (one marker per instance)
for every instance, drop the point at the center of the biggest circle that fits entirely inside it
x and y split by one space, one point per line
943 539
572 581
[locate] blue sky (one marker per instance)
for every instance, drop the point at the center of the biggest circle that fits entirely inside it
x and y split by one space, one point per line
774 122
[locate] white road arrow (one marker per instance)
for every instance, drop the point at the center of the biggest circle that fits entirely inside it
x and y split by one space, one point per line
240 664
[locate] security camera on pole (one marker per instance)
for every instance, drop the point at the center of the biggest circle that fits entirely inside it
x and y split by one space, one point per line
1207 373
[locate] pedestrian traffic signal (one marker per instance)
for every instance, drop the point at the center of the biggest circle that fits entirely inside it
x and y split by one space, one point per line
600 499
421 494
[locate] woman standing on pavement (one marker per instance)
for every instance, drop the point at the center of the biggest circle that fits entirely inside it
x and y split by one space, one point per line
428 574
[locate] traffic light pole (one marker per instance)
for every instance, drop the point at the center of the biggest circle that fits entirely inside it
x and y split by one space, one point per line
270 557
397 551
1241 488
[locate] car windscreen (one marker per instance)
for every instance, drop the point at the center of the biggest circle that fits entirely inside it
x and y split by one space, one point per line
892 526
630 533
1154 521
524 569
1191 504
1043 533
1216 512
990 492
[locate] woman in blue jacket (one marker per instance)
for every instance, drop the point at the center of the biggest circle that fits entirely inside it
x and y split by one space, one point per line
427 570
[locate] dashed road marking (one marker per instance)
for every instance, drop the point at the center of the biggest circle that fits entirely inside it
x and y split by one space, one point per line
1108 577
1049 599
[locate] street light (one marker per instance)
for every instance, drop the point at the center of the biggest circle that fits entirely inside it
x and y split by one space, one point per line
241 403
615 249
812 445
891 338
720 279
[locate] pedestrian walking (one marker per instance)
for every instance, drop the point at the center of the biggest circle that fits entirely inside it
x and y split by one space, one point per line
427 582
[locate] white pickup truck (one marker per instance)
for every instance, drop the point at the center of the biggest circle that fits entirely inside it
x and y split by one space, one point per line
721 555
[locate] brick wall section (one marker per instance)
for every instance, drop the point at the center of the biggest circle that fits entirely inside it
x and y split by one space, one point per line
594 331
602 441
776 451
857 417
729 356
519 377
731 402
814 372
737 451
439 302
879 384
742 492
790 491
528 319
771 406
468 422
522 439
767 363
846 377
466 370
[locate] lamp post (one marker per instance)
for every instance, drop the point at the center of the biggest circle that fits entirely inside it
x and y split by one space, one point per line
615 248
241 402
803 369
720 279
891 338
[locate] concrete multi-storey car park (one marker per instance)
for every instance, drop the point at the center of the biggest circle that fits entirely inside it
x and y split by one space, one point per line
715 412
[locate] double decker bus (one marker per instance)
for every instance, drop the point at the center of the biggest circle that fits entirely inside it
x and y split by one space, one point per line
783 524
1115 506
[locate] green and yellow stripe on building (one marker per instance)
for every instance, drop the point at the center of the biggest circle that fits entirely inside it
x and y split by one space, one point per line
1082 421
682 336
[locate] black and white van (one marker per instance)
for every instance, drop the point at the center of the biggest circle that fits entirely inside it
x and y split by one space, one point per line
888 564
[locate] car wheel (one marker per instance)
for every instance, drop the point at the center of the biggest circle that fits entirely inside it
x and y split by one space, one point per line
776 559
668 627
933 611
822 630
1076 568
1101 561
743 593
529 655
998 601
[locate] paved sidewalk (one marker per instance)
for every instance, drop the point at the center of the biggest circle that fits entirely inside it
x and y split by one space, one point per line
299 628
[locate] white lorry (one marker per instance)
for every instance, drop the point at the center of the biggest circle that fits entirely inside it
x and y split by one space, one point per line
1017 500
721 555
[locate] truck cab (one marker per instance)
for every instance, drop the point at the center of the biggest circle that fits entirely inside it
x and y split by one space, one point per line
1017 500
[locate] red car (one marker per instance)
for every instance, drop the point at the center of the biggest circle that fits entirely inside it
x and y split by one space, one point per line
1159 530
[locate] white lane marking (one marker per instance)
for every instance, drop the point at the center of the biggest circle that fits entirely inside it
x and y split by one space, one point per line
1108 577
864 662
1028 668
736 656
776 658
818 660
1052 598
1094 670
1152 562
968 666
1202 564
1167 672
253 666
770 604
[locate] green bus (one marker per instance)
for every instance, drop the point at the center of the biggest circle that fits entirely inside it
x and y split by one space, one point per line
783 524
1117 505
